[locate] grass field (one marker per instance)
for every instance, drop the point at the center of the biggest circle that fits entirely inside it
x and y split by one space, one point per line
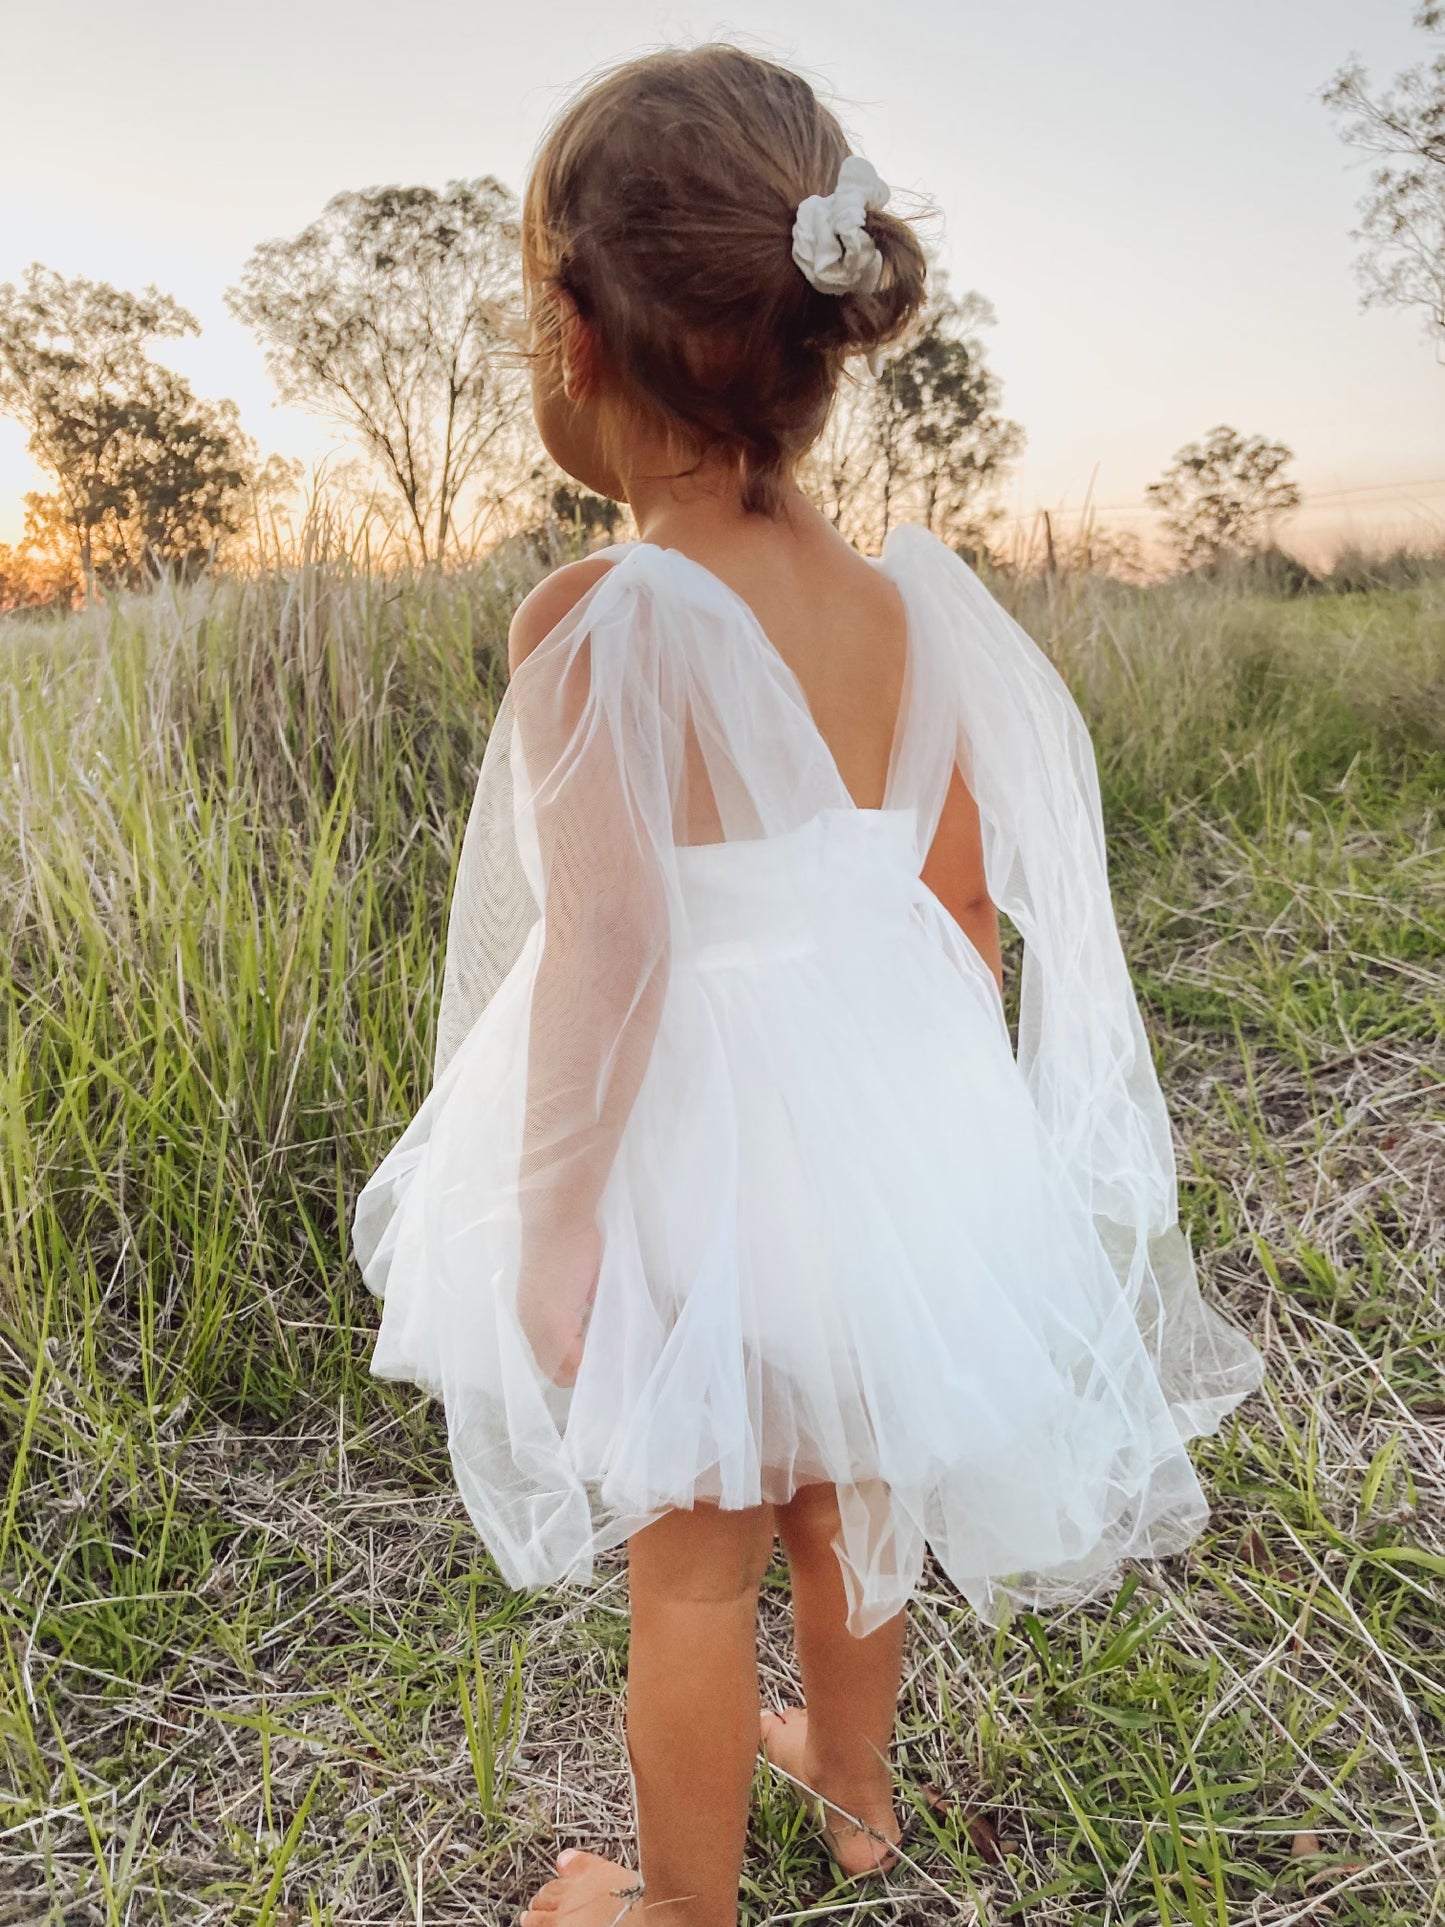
254 1668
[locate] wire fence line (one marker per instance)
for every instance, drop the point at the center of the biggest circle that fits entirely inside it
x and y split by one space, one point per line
1377 496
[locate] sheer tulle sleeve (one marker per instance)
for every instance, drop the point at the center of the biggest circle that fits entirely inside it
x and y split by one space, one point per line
594 806
1025 752
568 851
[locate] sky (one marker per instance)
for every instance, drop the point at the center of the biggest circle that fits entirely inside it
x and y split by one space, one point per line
1151 195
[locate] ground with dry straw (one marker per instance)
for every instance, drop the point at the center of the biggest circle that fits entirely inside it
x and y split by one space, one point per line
255 1668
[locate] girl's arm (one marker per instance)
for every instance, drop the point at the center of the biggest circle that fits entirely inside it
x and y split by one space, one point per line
954 873
597 995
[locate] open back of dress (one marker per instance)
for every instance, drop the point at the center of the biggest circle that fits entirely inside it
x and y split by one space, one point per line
847 1235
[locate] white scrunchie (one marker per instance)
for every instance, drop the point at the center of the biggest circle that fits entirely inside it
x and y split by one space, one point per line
835 251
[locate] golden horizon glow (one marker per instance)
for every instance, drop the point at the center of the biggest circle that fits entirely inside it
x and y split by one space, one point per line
1155 202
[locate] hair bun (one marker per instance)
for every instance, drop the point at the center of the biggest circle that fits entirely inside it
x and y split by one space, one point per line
864 320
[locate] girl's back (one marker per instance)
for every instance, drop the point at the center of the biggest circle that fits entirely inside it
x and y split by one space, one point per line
836 621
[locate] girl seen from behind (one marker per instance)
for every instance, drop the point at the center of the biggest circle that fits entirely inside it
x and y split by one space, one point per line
733 1213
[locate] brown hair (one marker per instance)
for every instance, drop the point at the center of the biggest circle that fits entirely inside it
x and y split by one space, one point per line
662 202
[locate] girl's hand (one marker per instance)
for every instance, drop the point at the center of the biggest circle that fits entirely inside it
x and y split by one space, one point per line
558 1283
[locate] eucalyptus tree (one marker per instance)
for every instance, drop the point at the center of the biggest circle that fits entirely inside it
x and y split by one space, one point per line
937 402
394 314
1402 217
1223 496
145 473
924 438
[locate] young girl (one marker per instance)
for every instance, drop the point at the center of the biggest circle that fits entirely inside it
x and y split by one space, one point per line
732 1211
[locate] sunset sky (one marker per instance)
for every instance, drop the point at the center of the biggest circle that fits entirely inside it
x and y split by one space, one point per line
1151 195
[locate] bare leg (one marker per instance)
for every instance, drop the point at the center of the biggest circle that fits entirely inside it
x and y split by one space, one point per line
692 1706
839 1744
692 1726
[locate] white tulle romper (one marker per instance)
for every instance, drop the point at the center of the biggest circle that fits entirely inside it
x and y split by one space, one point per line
846 1233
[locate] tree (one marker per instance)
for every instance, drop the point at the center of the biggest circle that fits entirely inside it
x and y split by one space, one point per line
1223 495
1402 217
944 398
925 439
34 576
583 515
146 473
841 471
390 314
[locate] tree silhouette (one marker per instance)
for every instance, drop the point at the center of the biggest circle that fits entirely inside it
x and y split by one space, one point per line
391 314
584 515
924 440
942 398
1402 218
1222 496
146 473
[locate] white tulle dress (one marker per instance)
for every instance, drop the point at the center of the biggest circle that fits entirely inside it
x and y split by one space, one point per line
721 1085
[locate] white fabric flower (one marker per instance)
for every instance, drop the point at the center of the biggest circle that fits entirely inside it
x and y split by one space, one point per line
831 245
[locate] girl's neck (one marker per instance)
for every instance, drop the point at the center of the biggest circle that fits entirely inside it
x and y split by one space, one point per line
678 509
683 511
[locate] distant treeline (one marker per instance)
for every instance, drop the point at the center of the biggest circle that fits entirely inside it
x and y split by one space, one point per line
398 315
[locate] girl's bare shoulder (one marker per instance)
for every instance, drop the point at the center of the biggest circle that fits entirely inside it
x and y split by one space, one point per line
553 599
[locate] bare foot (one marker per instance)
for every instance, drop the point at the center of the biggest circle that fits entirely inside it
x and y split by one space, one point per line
588 1892
857 1848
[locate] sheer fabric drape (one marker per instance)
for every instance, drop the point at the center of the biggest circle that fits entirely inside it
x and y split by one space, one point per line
730 1179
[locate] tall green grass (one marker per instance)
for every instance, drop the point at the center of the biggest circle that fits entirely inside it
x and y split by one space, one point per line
254 1666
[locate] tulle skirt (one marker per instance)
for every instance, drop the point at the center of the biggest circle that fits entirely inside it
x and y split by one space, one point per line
836 1247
